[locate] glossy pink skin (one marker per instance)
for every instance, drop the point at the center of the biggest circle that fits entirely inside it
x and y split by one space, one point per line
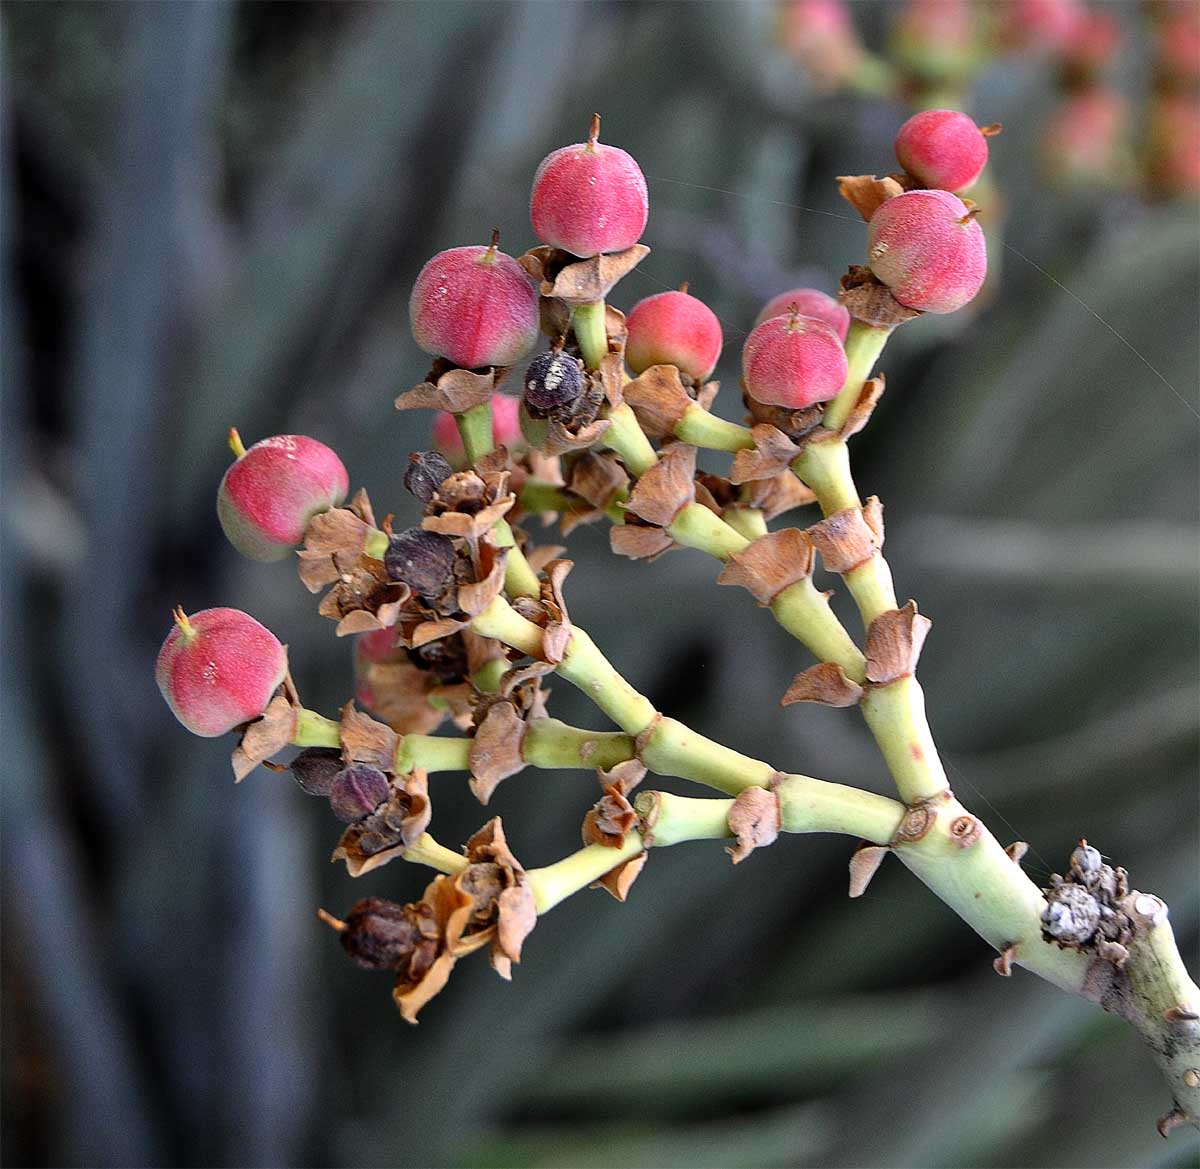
793 361
474 307
589 199
920 247
943 149
506 429
673 328
809 302
268 495
224 675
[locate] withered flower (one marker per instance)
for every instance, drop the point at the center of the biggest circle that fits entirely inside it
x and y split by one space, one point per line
395 824
468 504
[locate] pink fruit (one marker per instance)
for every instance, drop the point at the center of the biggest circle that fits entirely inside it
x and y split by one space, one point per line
218 669
819 36
1042 24
589 198
793 361
273 489
474 306
1174 144
938 40
809 302
506 429
928 249
942 149
1093 42
1084 139
673 328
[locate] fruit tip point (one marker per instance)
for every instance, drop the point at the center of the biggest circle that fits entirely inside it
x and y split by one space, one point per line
235 442
186 628
991 129
334 923
685 286
594 130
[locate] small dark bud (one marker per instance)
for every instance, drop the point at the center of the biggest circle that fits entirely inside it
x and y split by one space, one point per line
445 659
422 560
553 382
357 792
427 471
316 769
379 934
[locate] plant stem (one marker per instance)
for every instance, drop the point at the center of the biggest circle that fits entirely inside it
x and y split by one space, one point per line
519 578
315 730
696 527
672 748
816 805
803 610
864 343
627 438
700 428
585 666
433 753
746 521
555 883
896 715
588 322
376 544
501 621
475 426
549 743
426 851
825 467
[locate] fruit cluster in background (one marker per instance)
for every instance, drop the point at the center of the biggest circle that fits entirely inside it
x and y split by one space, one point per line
935 52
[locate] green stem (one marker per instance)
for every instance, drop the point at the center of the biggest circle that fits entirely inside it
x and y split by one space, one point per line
588 323
501 621
870 584
519 578
672 748
475 426
672 819
626 437
433 753
556 882
549 743
896 715
487 678
825 467
315 730
803 610
426 851
700 428
585 666
696 527
747 521
539 496
864 343
376 544
816 805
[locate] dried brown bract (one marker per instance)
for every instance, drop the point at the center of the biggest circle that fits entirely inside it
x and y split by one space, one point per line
573 281
395 825
869 300
770 564
894 643
446 387
825 683
754 821
849 537
468 504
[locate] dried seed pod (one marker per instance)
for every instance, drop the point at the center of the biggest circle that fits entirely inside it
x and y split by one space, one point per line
316 768
422 560
425 473
217 669
357 791
446 659
554 382
379 934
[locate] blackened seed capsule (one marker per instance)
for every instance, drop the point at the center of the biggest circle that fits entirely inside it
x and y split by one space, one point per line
445 659
316 769
379 934
358 790
426 472
553 381
422 560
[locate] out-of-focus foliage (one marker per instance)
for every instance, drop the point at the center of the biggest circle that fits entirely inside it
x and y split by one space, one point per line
212 216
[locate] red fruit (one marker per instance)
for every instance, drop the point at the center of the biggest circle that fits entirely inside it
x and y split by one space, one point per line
809 302
273 489
793 361
474 306
1084 139
673 328
928 249
942 148
938 40
1177 41
506 429
1042 24
1174 146
589 198
1093 42
218 669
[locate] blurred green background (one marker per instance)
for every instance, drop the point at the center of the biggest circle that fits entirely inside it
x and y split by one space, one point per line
212 215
